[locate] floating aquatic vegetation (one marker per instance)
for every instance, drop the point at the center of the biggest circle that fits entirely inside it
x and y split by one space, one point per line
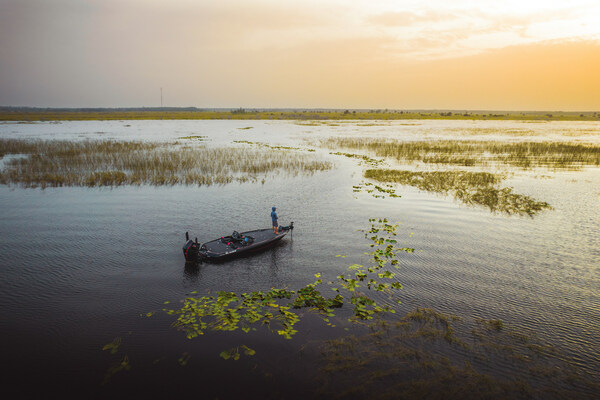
234 352
194 137
276 308
114 163
526 155
376 191
266 145
472 188
229 311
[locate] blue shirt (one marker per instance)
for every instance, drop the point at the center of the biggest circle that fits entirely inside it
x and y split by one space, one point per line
274 216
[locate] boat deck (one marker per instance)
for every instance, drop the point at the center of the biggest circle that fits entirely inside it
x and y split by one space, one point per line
259 238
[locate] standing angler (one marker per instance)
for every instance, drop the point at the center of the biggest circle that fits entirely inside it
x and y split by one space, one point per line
274 218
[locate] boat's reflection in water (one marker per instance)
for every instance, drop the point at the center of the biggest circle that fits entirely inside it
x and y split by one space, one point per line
191 272
270 257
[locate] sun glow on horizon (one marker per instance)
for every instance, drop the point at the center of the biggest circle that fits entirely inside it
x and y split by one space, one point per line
266 53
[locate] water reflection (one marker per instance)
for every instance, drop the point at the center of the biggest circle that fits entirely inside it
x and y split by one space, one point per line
270 260
273 267
191 272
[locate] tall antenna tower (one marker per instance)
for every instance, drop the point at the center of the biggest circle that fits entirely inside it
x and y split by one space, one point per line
161 97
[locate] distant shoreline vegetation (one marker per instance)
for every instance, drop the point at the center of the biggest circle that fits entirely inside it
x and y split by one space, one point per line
54 163
27 114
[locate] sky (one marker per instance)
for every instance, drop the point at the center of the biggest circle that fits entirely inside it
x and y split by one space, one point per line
367 54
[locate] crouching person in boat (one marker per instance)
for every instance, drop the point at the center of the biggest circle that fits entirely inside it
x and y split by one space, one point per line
274 219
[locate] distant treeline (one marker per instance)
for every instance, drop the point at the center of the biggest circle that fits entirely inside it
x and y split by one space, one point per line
30 114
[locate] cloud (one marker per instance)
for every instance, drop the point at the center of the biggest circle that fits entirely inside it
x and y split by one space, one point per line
446 33
276 54
410 18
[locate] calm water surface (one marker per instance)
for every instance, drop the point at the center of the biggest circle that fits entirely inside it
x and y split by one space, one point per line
82 266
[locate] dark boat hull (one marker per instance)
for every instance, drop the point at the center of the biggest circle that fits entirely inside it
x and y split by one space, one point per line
229 247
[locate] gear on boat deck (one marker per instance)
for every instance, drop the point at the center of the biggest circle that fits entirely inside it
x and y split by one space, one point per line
236 244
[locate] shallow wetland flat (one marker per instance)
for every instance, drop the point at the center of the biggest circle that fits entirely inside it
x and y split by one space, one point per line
464 254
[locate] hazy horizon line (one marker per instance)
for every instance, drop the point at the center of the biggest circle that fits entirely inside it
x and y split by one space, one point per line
293 109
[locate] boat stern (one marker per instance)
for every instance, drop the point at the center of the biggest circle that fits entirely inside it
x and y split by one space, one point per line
191 249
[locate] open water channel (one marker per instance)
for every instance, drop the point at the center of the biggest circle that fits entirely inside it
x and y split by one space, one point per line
80 267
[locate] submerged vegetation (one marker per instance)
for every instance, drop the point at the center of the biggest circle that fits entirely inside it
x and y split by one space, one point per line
471 188
479 153
112 163
427 354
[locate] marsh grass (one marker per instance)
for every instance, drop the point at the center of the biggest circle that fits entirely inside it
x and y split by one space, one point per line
525 155
112 163
471 188
428 354
572 131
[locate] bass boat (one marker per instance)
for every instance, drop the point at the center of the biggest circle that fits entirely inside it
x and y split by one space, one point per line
235 245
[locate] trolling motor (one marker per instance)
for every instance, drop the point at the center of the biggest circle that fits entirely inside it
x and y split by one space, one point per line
191 248
290 227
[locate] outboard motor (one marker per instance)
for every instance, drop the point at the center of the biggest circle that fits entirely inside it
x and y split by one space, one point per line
190 249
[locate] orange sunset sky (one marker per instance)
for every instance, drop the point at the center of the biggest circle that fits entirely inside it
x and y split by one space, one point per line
483 55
